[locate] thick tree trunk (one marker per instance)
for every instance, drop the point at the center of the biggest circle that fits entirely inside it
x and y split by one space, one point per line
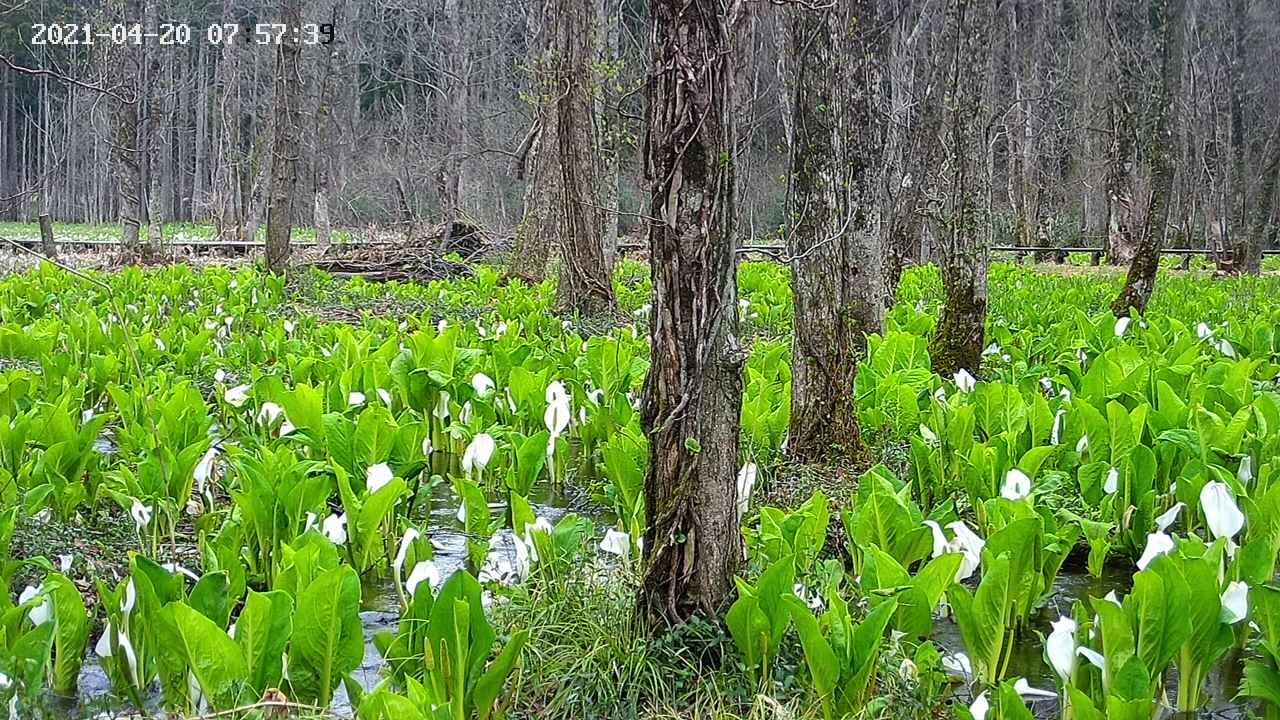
287 118
837 278
693 394
1141 280
961 224
586 279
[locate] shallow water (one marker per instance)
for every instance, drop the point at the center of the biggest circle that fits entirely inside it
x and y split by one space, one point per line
1027 658
380 601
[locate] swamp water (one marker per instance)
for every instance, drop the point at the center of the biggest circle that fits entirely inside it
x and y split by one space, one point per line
380 612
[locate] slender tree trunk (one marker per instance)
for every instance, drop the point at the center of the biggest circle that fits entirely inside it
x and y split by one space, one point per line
962 223
155 111
586 280
320 135
693 393
284 148
1245 254
1093 131
538 164
128 167
837 278
456 89
226 117
1141 280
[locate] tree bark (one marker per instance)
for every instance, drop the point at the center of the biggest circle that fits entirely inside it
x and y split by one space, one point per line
323 81
1245 253
586 279
128 167
962 221
1167 16
836 258
1096 206
287 118
227 168
456 88
155 112
537 163
693 393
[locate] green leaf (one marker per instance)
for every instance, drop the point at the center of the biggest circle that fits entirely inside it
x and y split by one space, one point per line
327 638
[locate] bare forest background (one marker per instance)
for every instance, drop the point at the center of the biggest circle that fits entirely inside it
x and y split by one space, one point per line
431 110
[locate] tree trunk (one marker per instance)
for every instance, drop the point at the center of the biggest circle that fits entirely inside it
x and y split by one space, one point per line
586 280
836 258
456 85
323 81
962 221
155 110
693 394
226 119
1245 253
128 167
1167 16
538 164
287 118
1096 206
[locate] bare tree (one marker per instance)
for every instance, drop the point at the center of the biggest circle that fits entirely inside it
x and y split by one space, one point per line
586 279
126 148
833 239
155 117
960 222
287 119
693 393
536 161
1170 30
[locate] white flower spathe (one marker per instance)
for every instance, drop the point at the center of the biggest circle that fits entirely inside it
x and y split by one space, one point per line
1168 517
441 410
268 413
1060 647
556 416
616 543
1016 485
1245 473
483 384
334 527
355 398
423 571
1024 689
204 469
1055 434
1122 324
478 453
1221 513
406 540
746 482
1235 602
236 396
384 395
980 706
141 514
1158 543
964 381
1082 444
1112 483
377 477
